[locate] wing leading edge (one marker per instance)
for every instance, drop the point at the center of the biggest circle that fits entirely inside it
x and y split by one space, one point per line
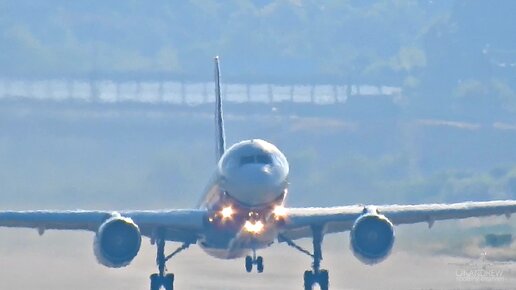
341 219
178 225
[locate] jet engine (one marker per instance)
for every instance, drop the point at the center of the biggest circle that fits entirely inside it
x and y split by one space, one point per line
117 242
372 237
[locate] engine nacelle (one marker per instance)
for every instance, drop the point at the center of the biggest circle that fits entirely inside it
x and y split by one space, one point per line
117 242
372 238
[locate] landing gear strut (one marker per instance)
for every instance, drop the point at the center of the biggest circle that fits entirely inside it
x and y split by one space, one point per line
316 275
251 261
163 279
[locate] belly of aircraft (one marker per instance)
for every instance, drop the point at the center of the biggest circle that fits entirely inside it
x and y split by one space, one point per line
236 245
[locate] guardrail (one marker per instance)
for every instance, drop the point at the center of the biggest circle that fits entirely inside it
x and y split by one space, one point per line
108 91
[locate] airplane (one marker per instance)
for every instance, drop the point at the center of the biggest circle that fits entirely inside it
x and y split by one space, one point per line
243 211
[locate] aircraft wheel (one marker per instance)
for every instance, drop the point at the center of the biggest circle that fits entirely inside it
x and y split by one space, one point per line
324 280
155 282
248 264
168 282
308 280
259 264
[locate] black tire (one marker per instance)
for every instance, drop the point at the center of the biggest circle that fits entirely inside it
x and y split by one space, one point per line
248 264
259 264
168 281
155 283
308 279
324 280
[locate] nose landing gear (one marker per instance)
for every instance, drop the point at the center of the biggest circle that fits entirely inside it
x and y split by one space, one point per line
251 261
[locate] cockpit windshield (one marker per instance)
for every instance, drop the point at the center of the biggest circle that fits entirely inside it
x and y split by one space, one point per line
256 159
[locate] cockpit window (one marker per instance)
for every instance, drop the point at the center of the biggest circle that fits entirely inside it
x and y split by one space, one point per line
246 160
263 159
259 159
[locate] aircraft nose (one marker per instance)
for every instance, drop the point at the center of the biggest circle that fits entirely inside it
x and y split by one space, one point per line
255 184
257 175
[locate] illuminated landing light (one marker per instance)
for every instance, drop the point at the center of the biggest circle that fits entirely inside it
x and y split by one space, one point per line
227 213
254 228
279 212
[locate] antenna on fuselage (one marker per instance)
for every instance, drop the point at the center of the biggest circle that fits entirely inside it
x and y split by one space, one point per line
220 141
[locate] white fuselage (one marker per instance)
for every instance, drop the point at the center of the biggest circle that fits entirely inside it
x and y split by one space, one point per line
244 199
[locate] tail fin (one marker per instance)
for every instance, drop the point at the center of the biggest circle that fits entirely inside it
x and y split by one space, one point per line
219 119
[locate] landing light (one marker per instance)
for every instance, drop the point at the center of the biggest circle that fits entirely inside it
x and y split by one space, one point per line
279 212
254 228
227 212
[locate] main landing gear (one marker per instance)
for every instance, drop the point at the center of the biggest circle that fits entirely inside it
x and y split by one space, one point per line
251 261
163 279
316 275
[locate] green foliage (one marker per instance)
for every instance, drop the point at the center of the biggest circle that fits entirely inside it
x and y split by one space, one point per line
335 39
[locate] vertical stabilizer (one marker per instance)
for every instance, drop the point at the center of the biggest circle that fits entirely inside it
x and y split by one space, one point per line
219 118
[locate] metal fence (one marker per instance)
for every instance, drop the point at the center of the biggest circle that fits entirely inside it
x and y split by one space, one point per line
108 91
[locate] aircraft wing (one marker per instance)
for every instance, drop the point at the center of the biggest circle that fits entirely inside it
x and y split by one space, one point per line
340 219
177 225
